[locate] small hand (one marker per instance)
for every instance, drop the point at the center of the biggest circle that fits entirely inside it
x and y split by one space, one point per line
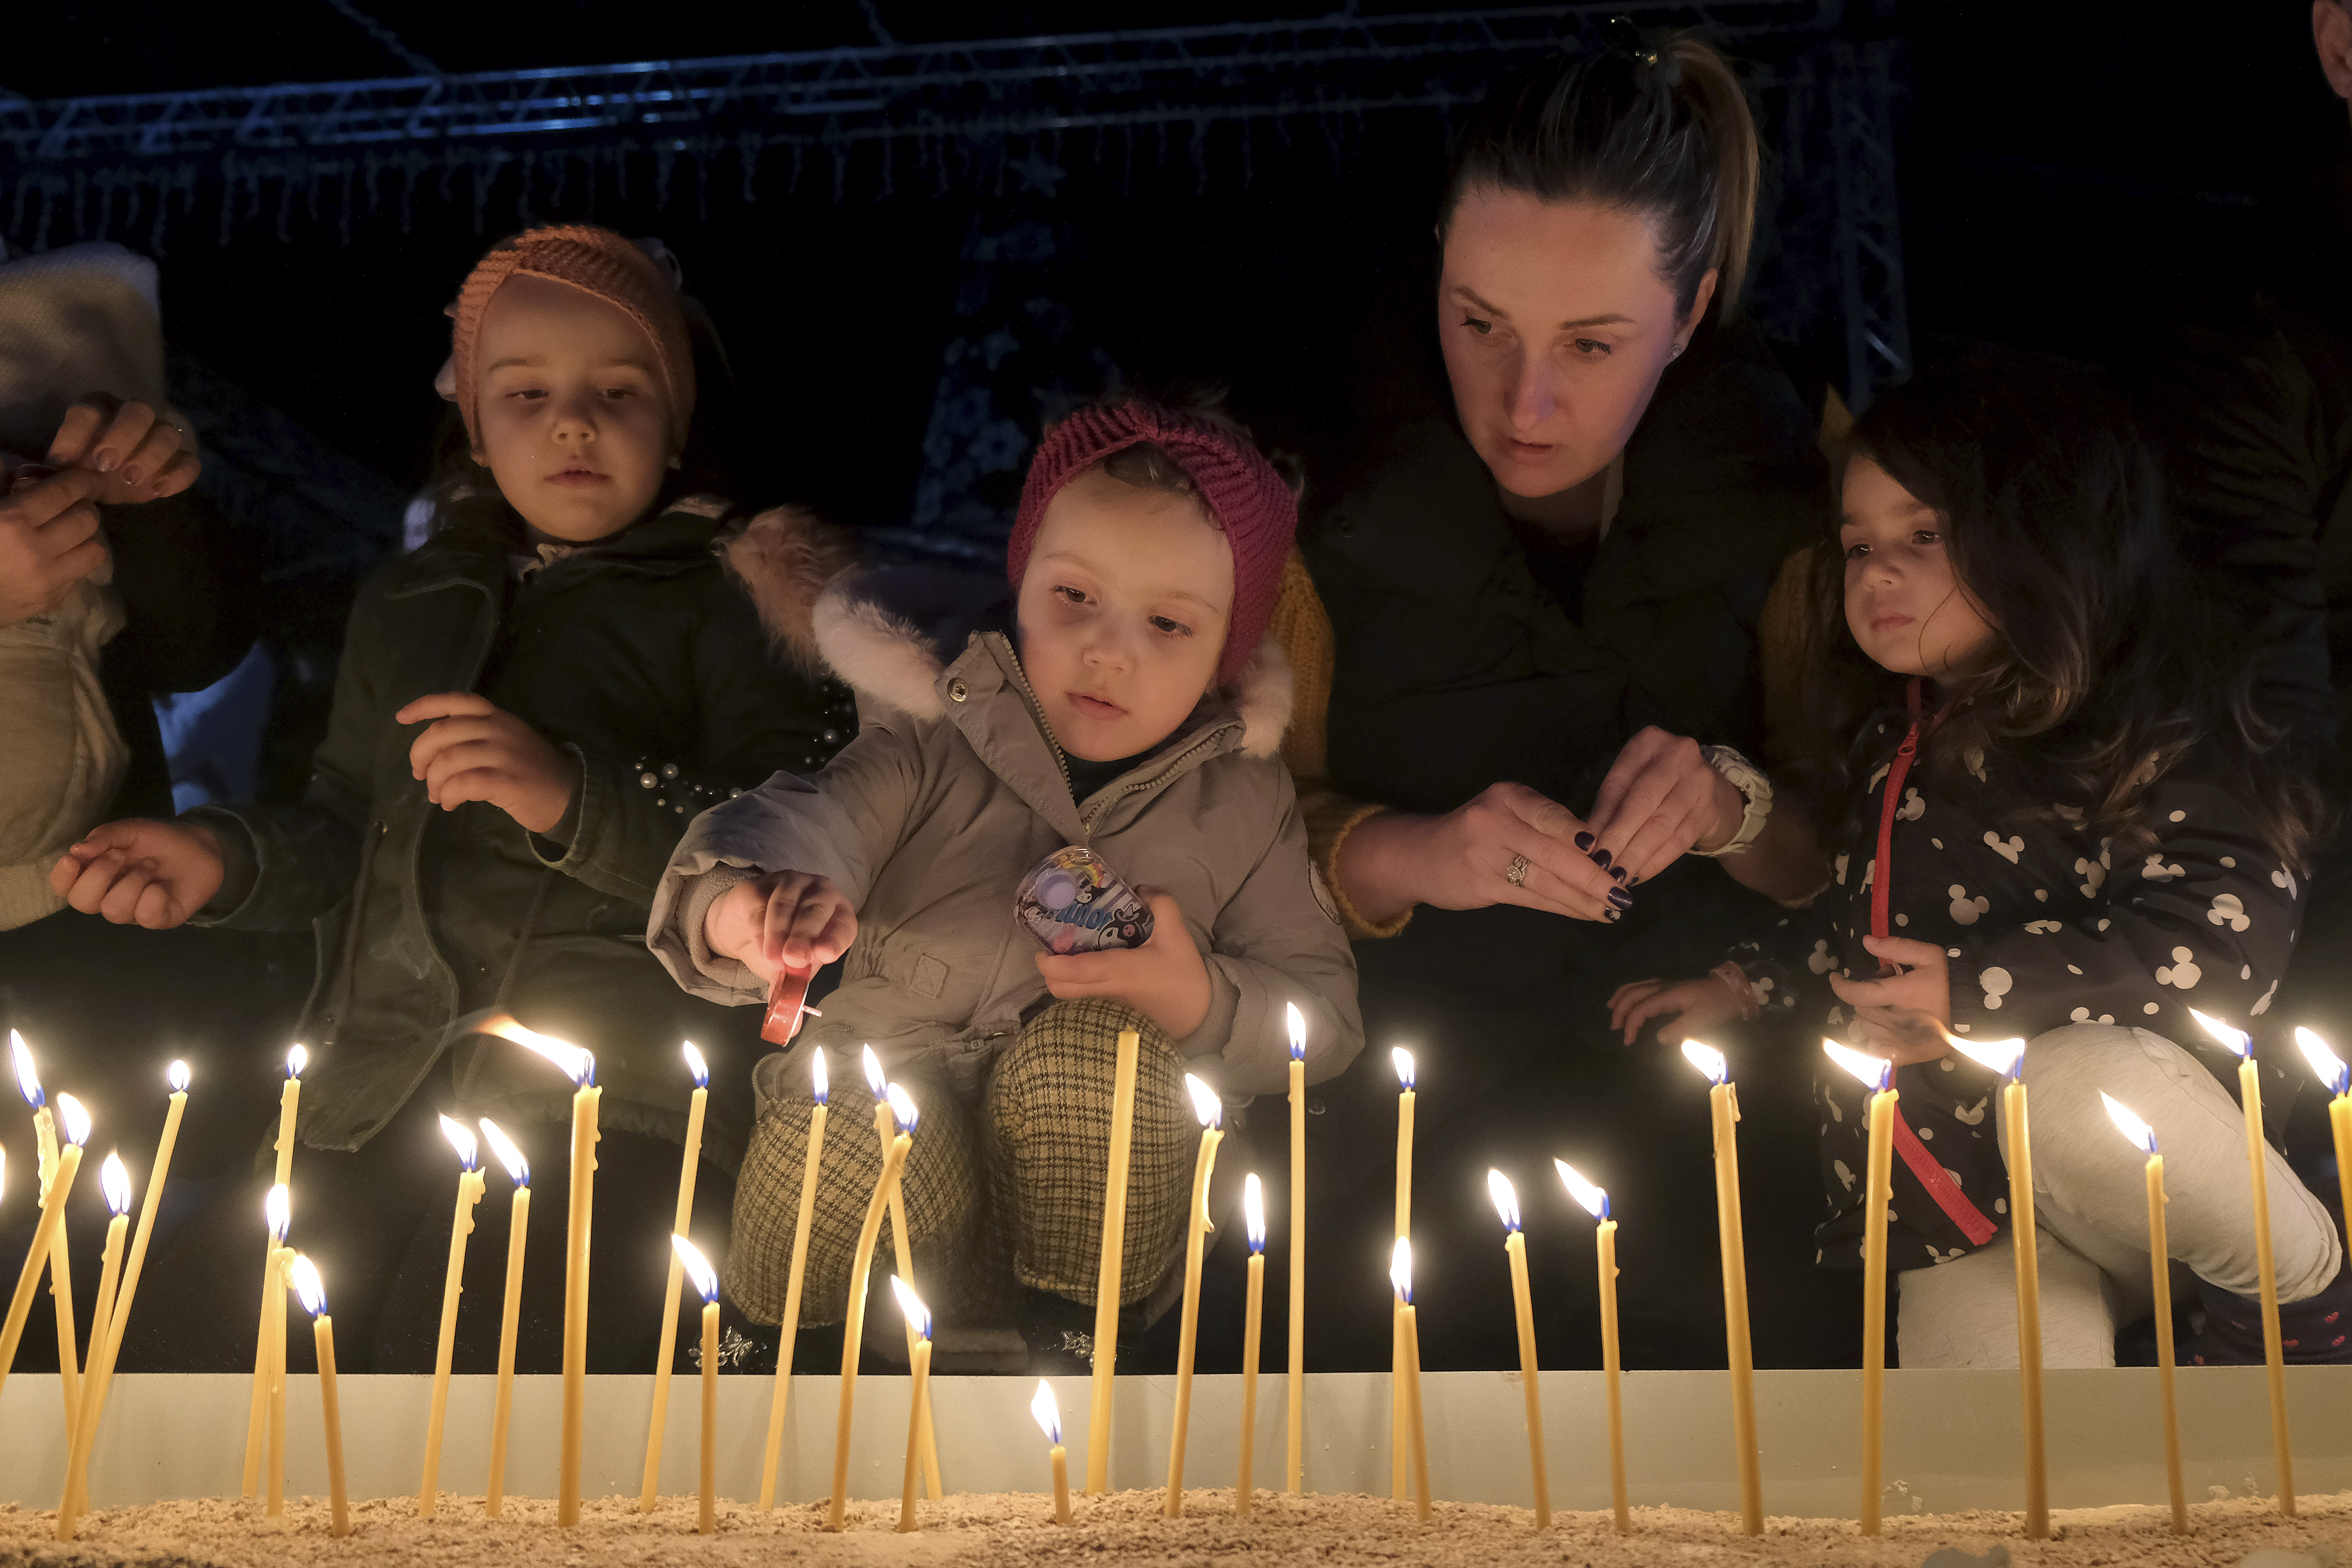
1906 1015
473 751
782 918
1661 800
1687 1008
48 541
141 871
134 456
1165 979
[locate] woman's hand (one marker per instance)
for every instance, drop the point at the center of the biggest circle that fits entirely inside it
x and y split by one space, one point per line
473 751
1661 800
141 871
135 456
1165 979
1906 1017
1686 1009
783 919
1463 859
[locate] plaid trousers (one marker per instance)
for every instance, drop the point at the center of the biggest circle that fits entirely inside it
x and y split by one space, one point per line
1006 1195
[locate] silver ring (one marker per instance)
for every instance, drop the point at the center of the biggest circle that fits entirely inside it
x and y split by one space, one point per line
1516 874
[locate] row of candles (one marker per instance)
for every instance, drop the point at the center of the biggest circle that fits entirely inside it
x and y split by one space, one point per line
85 1385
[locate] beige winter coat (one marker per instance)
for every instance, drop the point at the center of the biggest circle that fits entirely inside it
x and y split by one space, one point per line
953 791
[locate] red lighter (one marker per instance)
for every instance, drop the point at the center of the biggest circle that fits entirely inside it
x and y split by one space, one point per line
787 1001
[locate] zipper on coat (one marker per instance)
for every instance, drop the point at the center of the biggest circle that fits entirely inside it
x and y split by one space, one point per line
1037 711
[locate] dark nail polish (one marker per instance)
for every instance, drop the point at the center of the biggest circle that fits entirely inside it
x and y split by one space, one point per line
1601 859
1619 873
1620 898
1585 841
1632 882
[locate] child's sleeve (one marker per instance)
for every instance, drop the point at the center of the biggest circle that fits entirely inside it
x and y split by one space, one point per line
1278 941
2206 921
842 824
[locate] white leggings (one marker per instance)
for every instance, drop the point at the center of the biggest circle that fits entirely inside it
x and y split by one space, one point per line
2090 1202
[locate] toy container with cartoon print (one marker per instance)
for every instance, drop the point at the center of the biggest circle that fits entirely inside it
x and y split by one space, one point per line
1074 902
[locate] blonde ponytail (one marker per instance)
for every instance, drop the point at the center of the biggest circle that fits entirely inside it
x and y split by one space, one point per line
1719 104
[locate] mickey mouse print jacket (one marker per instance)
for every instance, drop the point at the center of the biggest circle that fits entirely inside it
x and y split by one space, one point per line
2043 927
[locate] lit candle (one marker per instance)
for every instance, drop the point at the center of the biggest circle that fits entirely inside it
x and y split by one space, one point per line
2331 1070
517 1226
1049 1420
580 1067
44 1141
1400 1483
919 1324
1604 1242
903 1251
789 1331
1877 1074
2007 1057
1294 1472
1401 1276
1253 1323
461 1226
2250 1096
2160 1258
706 1280
278 1209
1723 1107
1107 1272
861 1262
290 1099
115 1182
1211 1114
313 1292
76 1129
668 1353
1515 1247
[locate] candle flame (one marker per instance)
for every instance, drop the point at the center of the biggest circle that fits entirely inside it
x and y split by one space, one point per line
902 1108
1594 1199
2237 1040
1253 1212
176 1075
1297 1021
461 1138
1048 1414
508 1155
307 1285
114 1180
27 1079
818 1075
277 1212
298 1057
1403 1060
1206 1106
574 1062
75 1128
2006 1057
1507 1199
698 1268
1707 1059
874 1079
919 1317
698 1067
2139 1132
1875 1072
1400 1270
2326 1065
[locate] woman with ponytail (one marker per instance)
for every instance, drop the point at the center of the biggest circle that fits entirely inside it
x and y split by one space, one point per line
1569 473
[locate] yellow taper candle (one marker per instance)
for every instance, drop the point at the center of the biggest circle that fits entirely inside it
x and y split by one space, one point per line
510 1313
1294 1468
461 1226
290 1101
1515 1247
1400 1481
2160 1258
2332 1071
692 1157
2007 1057
283 1259
1107 1272
45 1142
861 1262
1723 1108
692 1263
1253 1325
1877 1074
313 1294
75 1127
1604 1243
790 1329
919 1319
1401 1278
1049 1421
2249 1098
1210 1111
902 1250
114 1180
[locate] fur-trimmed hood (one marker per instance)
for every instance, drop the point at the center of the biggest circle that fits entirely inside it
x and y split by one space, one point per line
870 629
786 557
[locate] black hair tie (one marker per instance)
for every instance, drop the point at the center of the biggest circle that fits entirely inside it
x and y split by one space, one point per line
1652 61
